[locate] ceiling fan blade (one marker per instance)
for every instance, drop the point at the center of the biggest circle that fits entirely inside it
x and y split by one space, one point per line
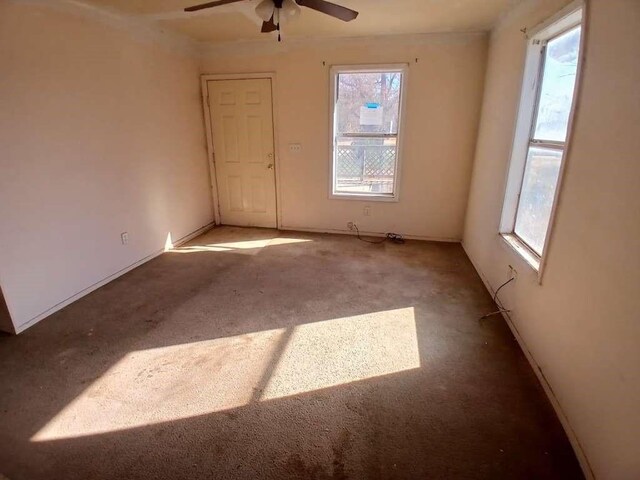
337 11
217 3
269 26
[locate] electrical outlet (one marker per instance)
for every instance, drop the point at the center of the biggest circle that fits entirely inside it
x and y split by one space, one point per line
351 226
124 236
295 147
366 211
513 273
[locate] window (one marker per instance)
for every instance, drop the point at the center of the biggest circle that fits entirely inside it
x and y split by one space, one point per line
546 107
366 125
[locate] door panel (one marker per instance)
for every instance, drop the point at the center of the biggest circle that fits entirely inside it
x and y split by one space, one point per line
242 124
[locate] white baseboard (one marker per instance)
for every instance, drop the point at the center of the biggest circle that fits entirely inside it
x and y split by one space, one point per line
368 234
566 425
104 281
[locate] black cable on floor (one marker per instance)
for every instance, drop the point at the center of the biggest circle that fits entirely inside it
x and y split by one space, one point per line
495 295
495 300
392 237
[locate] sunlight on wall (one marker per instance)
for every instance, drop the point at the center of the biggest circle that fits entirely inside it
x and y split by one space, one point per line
180 381
168 244
250 247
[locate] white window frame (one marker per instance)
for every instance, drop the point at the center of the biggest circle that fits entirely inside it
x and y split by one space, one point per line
567 19
334 72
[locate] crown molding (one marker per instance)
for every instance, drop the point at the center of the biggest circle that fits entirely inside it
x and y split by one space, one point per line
269 46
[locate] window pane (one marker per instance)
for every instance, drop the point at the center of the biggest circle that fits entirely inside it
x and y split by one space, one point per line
366 122
536 198
368 102
558 83
365 165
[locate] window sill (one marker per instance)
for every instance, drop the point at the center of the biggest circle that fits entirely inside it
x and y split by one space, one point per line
531 258
364 198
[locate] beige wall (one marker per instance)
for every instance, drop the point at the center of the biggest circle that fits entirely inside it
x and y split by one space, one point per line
444 96
100 133
582 324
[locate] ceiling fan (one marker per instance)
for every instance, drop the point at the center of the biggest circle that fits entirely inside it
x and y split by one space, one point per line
273 11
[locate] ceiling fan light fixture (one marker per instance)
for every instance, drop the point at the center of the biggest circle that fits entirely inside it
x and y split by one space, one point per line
290 10
265 10
271 12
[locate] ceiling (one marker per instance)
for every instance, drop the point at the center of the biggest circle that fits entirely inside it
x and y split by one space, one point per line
238 21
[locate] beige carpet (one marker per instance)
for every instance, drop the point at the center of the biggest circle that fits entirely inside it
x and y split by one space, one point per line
256 354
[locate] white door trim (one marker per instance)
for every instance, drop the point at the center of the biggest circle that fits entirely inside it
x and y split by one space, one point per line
208 124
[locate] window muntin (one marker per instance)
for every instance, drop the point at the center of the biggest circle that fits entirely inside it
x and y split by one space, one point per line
541 133
366 128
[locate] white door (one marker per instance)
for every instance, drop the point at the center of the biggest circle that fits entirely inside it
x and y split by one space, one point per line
242 124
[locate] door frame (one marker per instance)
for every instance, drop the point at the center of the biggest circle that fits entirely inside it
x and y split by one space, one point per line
204 78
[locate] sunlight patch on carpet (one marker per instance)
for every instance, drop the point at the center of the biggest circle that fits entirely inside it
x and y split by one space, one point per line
174 382
345 350
250 247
